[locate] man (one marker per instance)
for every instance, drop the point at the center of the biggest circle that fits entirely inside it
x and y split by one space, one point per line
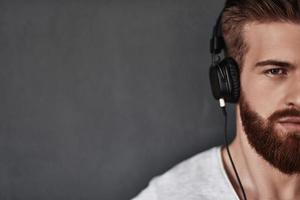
263 36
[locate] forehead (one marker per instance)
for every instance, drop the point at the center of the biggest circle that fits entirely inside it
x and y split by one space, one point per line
273 40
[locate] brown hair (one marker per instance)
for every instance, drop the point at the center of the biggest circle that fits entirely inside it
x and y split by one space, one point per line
237 13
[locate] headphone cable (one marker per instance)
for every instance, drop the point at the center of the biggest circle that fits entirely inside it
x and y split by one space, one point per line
229 155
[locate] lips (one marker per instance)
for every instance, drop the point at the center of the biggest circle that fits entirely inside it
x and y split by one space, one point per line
290 124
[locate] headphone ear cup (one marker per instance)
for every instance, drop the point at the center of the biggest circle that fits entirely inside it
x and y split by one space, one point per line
232 69
217 81
225 80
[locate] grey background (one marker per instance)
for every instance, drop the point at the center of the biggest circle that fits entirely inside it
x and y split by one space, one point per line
97 97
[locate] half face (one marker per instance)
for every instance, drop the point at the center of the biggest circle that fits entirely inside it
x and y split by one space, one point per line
270 93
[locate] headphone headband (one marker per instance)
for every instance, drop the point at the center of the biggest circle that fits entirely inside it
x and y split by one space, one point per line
217 43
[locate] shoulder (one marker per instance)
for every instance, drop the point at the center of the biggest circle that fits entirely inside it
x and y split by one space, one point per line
198 176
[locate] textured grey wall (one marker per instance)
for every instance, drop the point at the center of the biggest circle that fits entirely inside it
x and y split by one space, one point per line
97 97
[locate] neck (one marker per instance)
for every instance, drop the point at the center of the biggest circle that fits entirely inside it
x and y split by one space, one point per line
260 179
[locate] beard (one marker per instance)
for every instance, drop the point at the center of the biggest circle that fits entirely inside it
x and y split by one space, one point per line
279 148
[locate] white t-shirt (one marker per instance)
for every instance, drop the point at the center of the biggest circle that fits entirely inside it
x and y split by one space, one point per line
201 177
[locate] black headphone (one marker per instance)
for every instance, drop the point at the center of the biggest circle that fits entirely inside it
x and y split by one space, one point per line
223 74
224 78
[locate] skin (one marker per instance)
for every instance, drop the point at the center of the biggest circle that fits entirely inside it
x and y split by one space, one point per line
268 87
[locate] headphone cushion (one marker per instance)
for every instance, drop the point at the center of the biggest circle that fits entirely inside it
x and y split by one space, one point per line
232 70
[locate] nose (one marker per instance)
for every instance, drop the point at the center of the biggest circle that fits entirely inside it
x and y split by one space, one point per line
293 93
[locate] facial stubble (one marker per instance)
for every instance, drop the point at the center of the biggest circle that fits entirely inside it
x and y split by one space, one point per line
281 149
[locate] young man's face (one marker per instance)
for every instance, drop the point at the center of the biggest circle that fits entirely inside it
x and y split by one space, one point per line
270 93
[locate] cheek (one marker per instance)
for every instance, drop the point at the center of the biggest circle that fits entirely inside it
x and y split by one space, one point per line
261 96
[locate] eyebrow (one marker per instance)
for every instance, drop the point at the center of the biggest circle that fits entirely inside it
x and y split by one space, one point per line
274 62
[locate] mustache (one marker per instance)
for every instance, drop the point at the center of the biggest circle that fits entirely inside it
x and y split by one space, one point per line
291 112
